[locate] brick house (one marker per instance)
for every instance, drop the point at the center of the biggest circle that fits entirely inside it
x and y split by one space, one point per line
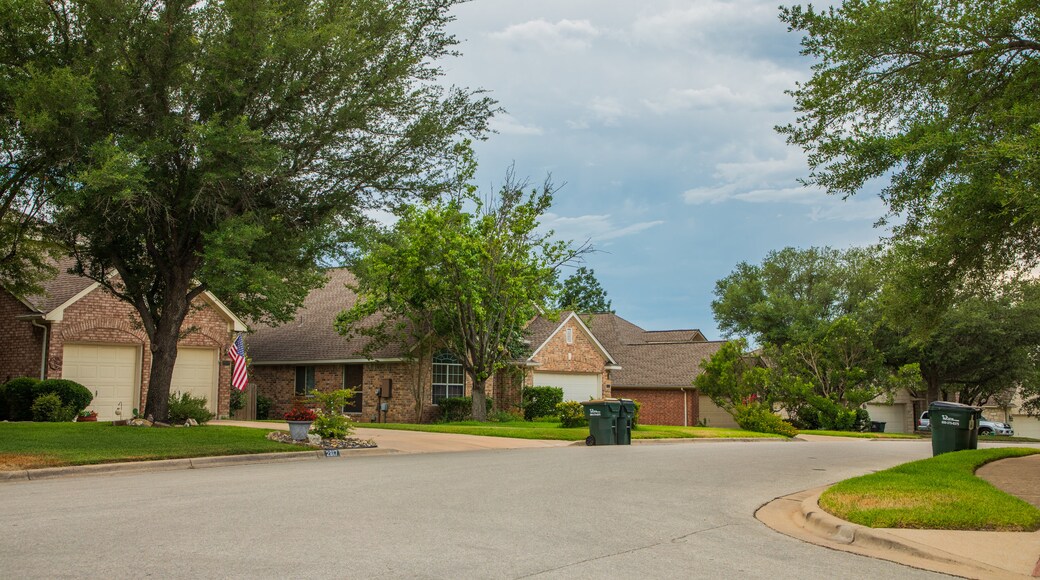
77 330
589 356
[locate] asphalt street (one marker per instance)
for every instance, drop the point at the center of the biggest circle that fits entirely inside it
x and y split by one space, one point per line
648 511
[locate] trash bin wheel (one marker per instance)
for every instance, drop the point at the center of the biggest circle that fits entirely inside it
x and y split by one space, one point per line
590 440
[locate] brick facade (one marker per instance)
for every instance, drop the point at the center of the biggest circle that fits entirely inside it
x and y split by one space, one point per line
278 382
580 356
22 348
102 318
663 406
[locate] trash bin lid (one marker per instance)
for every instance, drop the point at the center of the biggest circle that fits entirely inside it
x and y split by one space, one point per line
951 406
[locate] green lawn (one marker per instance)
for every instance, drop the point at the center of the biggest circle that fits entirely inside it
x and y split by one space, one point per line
540 430
860 435
937 493
25 445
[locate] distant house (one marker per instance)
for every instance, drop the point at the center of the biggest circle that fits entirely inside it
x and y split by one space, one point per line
589 356
77 330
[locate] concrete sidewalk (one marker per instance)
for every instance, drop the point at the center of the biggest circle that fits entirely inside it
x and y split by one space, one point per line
420 441
962 553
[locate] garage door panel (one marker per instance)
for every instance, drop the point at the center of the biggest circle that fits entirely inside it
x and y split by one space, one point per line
196 372
1026 426
576 386
894 416
714 415
109 371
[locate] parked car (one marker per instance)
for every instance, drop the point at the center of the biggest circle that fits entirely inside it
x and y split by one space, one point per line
985 427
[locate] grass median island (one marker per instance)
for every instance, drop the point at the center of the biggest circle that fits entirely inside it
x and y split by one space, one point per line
25 445
940 493
546 430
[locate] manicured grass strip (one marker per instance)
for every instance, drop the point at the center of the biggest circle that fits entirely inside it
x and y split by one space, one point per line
35 445
540 430
1006 439
860 434
937 493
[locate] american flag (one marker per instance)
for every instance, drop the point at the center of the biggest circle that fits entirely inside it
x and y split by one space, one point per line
237 352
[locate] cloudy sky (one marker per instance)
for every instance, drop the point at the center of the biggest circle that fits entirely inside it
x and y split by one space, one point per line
657 118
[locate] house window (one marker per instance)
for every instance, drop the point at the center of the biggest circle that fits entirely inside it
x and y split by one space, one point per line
447 376
353 378
569 333
304 380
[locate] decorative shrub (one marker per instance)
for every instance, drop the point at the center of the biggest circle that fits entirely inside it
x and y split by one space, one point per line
456 409
3 403
572 414
263 407
48 408
635 417
18 398
540 401
331 422
822 413
760 419
301 413
183 406
71 393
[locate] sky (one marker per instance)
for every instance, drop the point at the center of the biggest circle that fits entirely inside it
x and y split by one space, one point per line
656 117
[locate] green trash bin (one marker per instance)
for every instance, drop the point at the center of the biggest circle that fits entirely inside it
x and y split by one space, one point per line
624 423
955 427
603 416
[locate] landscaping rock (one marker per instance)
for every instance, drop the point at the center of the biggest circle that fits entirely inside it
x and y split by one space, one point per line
139 422
314 439
191 423
348 443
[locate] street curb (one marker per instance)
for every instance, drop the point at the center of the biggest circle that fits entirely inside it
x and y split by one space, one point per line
714 440
184 463
841 531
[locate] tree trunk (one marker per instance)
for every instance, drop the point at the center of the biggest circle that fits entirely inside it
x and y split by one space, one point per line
479 401
164 355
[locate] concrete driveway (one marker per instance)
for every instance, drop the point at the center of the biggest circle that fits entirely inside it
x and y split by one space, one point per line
647 511
421 442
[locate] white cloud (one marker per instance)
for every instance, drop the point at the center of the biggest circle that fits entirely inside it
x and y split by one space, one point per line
507 124
775 180
568 35
594 227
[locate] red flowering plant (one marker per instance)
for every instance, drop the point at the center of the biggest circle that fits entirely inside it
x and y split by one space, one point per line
300 413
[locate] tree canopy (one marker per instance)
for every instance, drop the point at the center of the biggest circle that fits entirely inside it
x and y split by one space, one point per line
582 292
192 146
937 99
474 270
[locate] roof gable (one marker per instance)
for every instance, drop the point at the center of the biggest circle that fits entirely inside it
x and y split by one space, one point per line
584 328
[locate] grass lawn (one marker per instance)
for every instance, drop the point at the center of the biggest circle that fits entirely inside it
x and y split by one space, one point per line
860 435
1006 439
539 430
25 445
937 493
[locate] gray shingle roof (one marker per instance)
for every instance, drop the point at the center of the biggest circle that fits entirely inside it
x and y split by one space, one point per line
312 337
668 358
60 288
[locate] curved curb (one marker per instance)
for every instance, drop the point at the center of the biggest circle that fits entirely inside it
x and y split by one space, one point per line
800 516
175 464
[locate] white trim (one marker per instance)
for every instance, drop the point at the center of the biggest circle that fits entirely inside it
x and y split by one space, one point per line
236 323
58 314
341 361
588 332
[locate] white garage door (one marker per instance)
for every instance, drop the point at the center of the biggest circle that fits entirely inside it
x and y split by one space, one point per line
714 415
110 372
195 372
894 416
1026 426
576 386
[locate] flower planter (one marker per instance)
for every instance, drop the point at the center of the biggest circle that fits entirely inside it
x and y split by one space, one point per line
298 429
87 419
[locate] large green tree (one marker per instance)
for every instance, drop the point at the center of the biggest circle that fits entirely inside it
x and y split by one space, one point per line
938 100
475 270
191 146
795 294
581 292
